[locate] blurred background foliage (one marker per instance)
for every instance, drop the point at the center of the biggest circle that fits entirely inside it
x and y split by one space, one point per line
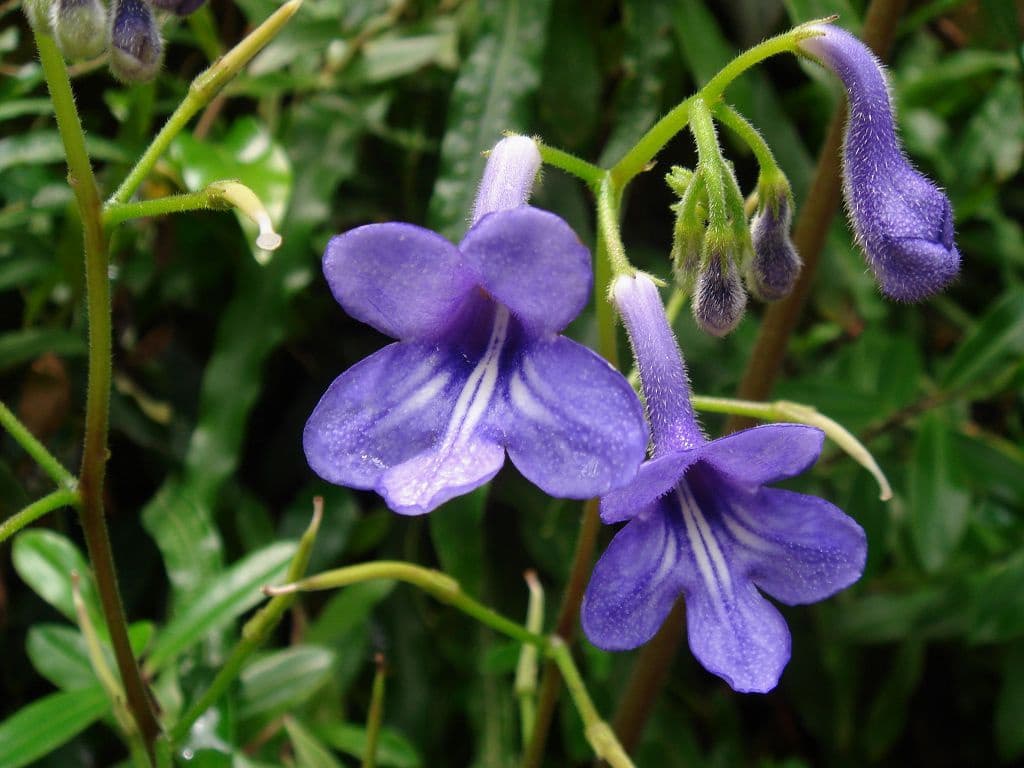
373 110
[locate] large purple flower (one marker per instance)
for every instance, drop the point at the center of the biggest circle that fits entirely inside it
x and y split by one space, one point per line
480 368
902 220
703 525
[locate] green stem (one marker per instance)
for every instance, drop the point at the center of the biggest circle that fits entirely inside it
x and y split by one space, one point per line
190 201
46 460
445 589
526 669
710 163
750 136
608 203
203 89
588 172
652 142
375 715
62 497
254 633
94 454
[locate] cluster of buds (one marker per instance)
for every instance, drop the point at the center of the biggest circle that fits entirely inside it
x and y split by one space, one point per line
128 31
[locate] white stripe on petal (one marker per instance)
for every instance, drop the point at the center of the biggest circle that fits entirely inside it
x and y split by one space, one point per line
711 562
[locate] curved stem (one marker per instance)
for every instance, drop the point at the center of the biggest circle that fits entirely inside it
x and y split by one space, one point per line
55 500
750 136
581 169
445 589
94 454
46 460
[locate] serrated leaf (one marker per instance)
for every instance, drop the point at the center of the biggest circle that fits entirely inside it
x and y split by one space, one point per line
938 506
282 680
47 723
490 96
220 602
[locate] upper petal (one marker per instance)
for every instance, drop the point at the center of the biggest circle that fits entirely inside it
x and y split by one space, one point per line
765 454
532 262
634 584
572 424
799 548
654 479
404 280
410 423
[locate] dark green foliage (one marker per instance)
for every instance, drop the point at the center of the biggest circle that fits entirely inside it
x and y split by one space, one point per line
371 111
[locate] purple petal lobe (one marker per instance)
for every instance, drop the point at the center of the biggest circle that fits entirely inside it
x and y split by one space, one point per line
532 262
800 548
733 631
662 371
405 281
766 454
634 583
573 425
655 479
511 169
902 220
407 422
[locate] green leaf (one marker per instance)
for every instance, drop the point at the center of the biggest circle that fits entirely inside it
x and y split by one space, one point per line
19 347
993 142
1010 705
45 560
220 602
997 338
393 749
395 56
938 505
490 96
46 723
59 653
457 533
889 711
282 680
347 610
309 752
39 147
997 602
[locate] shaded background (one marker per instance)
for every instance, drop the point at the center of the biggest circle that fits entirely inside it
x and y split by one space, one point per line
375 111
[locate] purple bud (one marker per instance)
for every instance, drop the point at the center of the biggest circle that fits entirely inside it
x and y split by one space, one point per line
511 170
719 298
772 272
178 7
902 220
136 49
80 27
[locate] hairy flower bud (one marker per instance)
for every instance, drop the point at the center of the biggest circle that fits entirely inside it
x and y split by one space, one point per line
136 49
178 7
511 170
718 298
80 27
775 266
902 220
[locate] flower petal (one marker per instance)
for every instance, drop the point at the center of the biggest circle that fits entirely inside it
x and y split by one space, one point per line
532 262
406 422
573 425
405 281
655 478
733 631
634 583
800 548
767 453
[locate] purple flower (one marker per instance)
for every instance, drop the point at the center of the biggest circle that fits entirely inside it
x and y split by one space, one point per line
480 368
903 221
775 266
703 525
136 49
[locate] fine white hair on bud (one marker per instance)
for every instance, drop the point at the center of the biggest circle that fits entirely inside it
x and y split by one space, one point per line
136 49
80 27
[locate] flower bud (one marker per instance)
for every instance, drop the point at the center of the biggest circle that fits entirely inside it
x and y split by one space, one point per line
511 170
718 298
775 266
178 7
902 220
136 49
80 27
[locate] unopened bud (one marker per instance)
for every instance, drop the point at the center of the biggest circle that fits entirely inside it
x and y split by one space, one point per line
80 27
772 272
136 49
178 7
719 298
38 13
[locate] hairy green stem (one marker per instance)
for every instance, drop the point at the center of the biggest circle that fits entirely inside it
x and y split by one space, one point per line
750 136
203 89
254 633
189 201
62 497
94 453
581 169
46 460
447 590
